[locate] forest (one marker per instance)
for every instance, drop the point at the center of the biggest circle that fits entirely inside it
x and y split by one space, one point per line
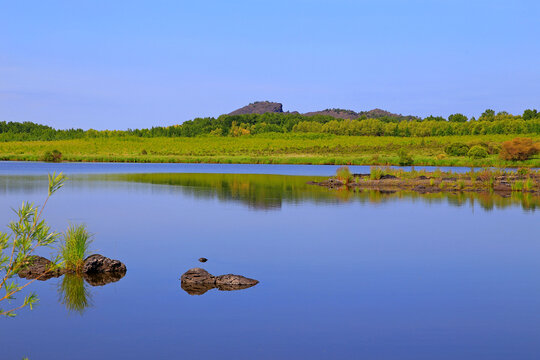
488 123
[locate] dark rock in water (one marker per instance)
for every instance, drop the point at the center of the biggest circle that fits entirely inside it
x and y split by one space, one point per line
100 264
100 279
203 260
231 279
197 281
231 282
39 268
259 107
198 276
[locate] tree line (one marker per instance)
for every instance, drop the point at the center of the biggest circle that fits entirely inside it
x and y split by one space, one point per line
488 122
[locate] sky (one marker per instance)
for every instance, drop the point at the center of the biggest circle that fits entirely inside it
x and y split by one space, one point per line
105 64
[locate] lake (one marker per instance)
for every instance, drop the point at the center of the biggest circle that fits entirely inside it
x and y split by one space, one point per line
342 275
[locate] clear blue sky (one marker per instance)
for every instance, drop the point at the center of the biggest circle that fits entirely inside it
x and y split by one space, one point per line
118 64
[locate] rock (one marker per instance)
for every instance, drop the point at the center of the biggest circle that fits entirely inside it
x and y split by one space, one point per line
100 264
198 276
388 176
203 260
198 281
234 282
259 107
39 268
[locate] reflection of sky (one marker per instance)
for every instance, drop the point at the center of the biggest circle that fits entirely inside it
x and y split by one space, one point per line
394 280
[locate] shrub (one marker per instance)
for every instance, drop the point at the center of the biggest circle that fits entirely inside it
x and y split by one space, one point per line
457 149
344 174
441 156
477 152
375 173
528 184
75 247
144 152
29 234
52 156
517 186
404 158
518 149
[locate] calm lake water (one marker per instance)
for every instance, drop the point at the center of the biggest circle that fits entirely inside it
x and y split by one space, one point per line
342 275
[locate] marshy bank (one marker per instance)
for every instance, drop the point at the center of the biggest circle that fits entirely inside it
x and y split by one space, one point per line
499 181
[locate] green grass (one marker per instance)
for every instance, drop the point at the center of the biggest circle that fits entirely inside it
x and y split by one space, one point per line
75 247
265 149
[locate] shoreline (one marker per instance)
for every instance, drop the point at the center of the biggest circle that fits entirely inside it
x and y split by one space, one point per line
498 182
433 162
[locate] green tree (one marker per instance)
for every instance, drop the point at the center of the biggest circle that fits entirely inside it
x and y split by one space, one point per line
530 114
488 115
457 118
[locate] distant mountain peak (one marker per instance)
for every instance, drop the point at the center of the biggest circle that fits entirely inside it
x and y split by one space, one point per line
259 107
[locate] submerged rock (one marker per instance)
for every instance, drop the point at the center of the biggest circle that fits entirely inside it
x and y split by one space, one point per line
39 268
197 281
100 264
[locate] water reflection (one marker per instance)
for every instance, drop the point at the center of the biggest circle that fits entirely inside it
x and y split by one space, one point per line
74 290
74 293
266 192
269 192
200 289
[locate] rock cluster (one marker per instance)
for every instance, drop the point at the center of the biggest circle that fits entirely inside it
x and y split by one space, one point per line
97 270
197 281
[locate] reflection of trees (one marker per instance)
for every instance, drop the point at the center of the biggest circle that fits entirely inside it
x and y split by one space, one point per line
271 191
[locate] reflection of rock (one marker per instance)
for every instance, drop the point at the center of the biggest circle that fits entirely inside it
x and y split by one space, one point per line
196 289
100 279
39 268
197 281
100 264
231 287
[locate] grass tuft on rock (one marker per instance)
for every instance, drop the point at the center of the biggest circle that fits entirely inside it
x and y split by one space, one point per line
77 241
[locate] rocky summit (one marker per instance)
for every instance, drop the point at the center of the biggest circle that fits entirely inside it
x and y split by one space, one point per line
259 107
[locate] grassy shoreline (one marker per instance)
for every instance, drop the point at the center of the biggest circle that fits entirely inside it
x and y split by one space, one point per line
499 181
266 149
